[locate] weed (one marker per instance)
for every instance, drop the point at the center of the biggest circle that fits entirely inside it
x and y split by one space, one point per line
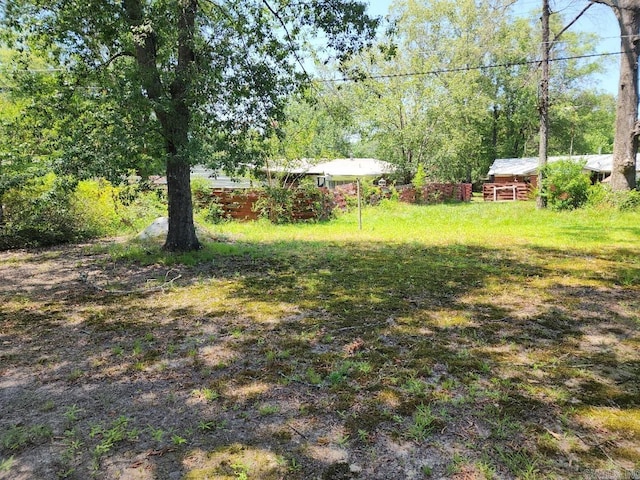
156 433
424 422
267 409
18 437
206 394
6 464
178 440
75 374
69 457
522 463
72 412
503 427
117 350
240 470
363 435
426 470
313 377
415 387
237 333
294 466
137 347
206 426
117 432
455 465
341 373
486 469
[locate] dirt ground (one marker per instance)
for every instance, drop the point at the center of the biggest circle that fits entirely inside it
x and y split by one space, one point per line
107 370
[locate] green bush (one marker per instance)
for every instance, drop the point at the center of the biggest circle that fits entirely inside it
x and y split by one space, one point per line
39 213
601 195
214 212
276 204
200 188
565 185
51 210
97 206
418 181
286 204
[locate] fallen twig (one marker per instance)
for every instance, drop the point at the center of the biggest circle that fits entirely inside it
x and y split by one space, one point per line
168 283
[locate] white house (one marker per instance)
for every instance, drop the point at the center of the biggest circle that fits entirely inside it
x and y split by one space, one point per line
329 173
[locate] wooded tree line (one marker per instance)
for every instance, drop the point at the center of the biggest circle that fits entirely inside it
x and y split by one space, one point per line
101 87
453 86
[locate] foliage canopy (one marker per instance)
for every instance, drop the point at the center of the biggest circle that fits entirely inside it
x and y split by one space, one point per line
206 80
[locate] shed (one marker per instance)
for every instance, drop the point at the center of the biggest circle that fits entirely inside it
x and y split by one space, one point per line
514 178
505 170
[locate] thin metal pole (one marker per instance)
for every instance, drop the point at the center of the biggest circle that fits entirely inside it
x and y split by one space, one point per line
359 205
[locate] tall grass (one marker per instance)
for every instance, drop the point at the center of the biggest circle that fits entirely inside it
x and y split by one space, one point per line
477 223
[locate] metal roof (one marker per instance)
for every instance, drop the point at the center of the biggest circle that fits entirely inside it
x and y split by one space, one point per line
339 167
529 165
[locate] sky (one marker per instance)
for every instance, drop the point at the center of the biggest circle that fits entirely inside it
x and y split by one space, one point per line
599 19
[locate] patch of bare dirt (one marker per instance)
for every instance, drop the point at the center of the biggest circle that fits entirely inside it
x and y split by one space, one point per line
107 372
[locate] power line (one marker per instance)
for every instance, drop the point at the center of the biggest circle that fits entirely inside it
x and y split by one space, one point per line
429 72
464 69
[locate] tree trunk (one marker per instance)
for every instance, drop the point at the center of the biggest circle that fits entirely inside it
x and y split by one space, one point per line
182 232
172 108
625 144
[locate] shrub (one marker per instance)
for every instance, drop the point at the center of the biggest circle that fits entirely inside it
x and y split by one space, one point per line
629 200
205 203
601 195
200 188
418 181
51 210
290 204
214 212
39 213
96 205
276 204
565 186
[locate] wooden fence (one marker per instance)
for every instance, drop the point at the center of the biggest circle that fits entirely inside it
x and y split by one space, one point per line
238 205
500 192
241 204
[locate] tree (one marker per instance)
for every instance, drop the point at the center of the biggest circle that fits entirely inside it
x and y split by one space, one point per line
459 89
316 127
625 144
212 76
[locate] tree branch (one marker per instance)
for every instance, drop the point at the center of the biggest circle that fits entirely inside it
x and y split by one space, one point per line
609 3
557 36
289 39
115 57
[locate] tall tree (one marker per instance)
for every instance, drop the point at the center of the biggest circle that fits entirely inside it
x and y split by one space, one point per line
459 89
212 73
625 145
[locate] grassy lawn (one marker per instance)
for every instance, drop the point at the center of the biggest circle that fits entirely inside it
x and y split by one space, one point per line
467 341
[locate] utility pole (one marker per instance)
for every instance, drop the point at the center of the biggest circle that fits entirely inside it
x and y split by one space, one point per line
541 202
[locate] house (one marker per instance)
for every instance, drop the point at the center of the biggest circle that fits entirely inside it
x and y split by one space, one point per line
328 173
515 178
215 178
331 173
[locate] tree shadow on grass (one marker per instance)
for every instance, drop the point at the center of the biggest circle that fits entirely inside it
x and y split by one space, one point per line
319 354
